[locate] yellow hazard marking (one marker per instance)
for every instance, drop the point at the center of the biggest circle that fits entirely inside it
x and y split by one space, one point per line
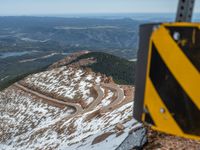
178 63
162 119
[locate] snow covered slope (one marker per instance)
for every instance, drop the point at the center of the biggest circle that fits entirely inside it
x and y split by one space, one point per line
66 108
65 82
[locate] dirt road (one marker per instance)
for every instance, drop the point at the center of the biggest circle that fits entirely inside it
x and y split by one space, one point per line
78 109
47 98
120 96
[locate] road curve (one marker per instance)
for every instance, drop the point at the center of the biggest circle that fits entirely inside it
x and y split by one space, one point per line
79 109
99 98
120 95
76 106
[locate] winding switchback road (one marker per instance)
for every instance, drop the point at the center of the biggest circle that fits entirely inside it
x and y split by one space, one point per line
78 109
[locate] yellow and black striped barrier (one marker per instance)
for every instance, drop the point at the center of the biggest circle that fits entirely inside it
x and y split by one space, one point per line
168 89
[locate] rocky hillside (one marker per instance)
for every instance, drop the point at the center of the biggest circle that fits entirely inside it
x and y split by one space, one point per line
121 70
82 102
68 106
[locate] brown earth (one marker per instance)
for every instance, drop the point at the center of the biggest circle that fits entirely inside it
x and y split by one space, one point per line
119 101
162 141
67 60
101 138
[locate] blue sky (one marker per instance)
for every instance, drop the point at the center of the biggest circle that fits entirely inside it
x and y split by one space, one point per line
37 7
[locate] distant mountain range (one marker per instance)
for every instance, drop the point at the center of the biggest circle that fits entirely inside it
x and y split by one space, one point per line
67 34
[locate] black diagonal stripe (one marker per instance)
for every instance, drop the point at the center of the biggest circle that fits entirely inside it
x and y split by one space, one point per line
188 39
181 107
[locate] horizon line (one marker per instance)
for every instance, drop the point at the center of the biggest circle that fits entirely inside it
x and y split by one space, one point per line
90 13
83 14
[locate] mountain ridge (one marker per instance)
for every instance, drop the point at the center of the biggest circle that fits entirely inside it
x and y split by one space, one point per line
67 106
